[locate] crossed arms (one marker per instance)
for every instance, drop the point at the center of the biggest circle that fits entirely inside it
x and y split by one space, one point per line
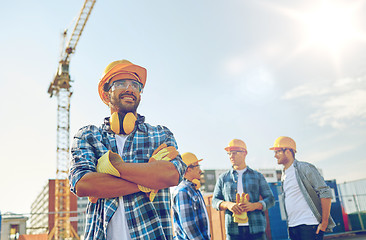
86 181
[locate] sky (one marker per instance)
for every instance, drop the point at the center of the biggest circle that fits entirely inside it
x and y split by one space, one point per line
217 70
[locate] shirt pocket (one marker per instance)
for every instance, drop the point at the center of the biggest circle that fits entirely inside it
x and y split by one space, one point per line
253 190
136 156
142 155
195 202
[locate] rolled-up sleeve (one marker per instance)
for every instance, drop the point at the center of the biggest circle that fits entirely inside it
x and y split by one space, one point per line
266 193
218 195
178 162
317 182
83 154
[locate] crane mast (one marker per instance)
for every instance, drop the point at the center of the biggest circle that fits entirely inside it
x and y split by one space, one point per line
61 87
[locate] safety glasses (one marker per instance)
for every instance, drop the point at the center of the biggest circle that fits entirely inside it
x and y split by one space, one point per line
123 84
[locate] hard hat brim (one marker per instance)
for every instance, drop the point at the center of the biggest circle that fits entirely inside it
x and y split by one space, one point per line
234 148
275 148
279 148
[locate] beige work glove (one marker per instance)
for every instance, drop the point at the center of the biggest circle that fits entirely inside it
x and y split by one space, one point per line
243 217
105 166
162 153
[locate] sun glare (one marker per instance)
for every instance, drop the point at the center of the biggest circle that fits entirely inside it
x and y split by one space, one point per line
331 25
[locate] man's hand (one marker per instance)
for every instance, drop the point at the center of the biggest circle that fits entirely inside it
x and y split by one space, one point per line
322 226
242 201
249 207
234 208
105 165
162 153
108 162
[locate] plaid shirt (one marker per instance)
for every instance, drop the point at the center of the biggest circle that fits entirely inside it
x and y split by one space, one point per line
255 185
313 187
145 219
190 220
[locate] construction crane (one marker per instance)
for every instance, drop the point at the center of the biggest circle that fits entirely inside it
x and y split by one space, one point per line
61 87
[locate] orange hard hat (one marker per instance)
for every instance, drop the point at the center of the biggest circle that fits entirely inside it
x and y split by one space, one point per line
236 145
284 142
120 67
189 158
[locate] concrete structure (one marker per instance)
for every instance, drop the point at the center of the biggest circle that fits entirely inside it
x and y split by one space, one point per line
38 222
209 178
12 226
271 174
42 217
81 208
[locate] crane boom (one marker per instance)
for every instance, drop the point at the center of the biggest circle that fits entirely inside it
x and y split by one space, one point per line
60 86
63 67
78 29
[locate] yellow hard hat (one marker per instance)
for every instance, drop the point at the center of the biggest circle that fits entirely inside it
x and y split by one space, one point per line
284 142
116 68
236 145
189 158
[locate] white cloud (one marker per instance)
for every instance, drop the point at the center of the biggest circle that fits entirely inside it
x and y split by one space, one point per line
305 90
318 156
336 104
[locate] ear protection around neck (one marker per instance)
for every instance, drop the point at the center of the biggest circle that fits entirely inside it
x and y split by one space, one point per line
197 183
122 123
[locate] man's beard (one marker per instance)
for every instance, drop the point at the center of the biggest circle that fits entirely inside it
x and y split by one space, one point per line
123 108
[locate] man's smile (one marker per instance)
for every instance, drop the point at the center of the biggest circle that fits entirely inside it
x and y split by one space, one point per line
128 97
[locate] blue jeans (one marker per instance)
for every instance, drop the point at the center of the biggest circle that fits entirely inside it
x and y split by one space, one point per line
305 232
245 234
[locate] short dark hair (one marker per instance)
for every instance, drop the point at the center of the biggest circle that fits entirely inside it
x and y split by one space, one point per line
292 151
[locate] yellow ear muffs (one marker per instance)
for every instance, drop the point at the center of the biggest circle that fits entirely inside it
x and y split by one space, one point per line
122 123
197 183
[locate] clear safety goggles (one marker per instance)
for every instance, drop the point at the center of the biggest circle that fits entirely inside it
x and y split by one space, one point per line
280 150
233 152
123 84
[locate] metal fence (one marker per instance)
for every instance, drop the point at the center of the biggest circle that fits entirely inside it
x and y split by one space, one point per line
353 199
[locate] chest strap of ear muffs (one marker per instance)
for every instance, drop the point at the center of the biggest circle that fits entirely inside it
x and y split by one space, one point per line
122 123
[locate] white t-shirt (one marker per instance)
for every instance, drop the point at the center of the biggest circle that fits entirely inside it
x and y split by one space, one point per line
240 189
117 227
298 211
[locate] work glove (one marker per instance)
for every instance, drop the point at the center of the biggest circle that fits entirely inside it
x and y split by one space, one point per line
162 153
243 217
105 166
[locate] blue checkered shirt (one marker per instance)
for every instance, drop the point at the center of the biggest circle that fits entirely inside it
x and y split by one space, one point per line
145 219
255 185
190 220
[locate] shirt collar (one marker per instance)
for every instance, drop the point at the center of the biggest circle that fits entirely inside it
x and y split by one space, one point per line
189 183
232 170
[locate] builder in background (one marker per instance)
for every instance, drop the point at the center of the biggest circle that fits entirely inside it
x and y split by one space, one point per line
138 214
306 195
243 219
190 215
